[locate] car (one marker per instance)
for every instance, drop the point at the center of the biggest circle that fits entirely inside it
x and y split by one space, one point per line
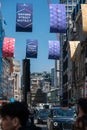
61 118
42 116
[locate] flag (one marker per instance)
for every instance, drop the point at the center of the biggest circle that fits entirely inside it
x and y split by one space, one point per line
31 48
24 17
57 18
8 47
54 50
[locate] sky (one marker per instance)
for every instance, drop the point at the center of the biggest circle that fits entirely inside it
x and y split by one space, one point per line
40 32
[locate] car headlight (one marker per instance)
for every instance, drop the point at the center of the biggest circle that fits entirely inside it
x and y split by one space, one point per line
55 123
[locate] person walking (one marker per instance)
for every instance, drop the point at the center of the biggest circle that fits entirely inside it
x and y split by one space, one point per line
14 116
81 120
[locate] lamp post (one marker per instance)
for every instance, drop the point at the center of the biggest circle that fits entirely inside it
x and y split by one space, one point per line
26 78
59 83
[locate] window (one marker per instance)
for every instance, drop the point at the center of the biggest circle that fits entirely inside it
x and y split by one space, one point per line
70 8
86 69
69 1
75 1
86 52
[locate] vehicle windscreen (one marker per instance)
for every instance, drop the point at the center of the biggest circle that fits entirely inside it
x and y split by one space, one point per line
63 112
43 113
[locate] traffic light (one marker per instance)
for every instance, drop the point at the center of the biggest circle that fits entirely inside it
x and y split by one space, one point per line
26 74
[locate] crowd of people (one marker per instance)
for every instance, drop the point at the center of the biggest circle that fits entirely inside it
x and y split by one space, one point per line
16 116
81 119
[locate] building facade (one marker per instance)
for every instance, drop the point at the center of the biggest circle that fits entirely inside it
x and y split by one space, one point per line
16 76
79 60
74 53
64 63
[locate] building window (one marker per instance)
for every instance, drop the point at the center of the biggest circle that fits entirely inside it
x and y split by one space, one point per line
68 14
74 1
82 1
86 69
86 52
70 8
69 2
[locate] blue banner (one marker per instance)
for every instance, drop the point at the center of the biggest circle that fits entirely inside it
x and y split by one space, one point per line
57 18
54 50
31 48
24 17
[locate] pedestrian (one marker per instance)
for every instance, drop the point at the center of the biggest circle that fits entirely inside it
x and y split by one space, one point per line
31 125
14 116
31 115
81 120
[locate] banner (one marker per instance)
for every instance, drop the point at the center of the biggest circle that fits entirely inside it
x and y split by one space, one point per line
84 17
57 18
54 50
8 47
24 17
73 46
31 48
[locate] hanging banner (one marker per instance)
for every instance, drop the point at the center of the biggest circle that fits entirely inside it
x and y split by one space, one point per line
8 47
73 46
31 48
24 17
84 17
54 50
57 18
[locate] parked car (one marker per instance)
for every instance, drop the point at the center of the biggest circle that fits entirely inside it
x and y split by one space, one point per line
42 116
61 119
